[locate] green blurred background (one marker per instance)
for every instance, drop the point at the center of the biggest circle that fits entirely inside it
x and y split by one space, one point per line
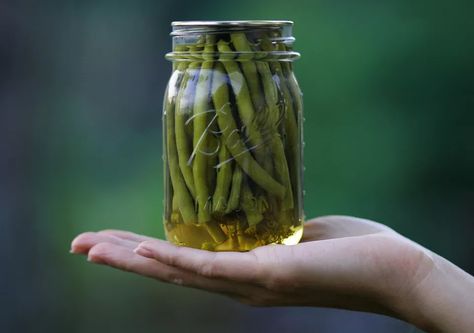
389 106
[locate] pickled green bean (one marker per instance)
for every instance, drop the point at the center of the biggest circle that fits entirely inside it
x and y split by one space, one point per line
201 140
186 206
244 103
234 195
290 125
223 182
249 68
232 138
184 109
250 206
278 151
261 114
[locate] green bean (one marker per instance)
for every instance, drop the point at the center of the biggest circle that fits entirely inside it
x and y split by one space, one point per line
282 172
261 114
271 93
224 177
250 206
174 203
292 83
209 48
290 125
184 109
244 103
215 231
291 128
186 206
278 151
249 68
201 140
233 140
234 240
234 196
195 50
178 48
297 99
213 128
212 160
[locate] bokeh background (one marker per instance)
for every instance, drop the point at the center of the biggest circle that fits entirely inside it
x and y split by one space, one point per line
389 105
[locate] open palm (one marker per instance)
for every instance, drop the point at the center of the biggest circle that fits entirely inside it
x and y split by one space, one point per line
342 262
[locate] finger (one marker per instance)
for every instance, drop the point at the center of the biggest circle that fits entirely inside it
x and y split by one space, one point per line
85 241
234 266
334 226
126 235
124 259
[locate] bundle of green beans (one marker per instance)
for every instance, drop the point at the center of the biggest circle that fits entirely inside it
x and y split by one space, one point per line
233 143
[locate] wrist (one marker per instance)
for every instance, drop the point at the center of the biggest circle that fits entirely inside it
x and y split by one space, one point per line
442 300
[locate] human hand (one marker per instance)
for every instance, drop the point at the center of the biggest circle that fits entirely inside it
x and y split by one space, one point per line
342 262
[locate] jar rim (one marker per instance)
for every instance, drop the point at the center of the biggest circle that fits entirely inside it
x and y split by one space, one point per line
240 23
188 27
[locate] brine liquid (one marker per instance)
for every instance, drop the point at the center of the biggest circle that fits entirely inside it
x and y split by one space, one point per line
238 237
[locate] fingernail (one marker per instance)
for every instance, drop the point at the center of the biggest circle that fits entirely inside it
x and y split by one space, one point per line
143 251
94 261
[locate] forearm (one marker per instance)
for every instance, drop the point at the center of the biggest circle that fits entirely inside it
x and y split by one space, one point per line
444 300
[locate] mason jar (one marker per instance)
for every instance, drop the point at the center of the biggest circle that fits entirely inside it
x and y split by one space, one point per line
232 124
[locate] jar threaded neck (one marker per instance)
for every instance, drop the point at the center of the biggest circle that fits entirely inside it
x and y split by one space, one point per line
264 40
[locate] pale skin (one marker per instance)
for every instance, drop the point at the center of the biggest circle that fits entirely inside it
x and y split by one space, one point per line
342 262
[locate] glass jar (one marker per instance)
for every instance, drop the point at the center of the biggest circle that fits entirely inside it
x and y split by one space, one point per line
232 124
